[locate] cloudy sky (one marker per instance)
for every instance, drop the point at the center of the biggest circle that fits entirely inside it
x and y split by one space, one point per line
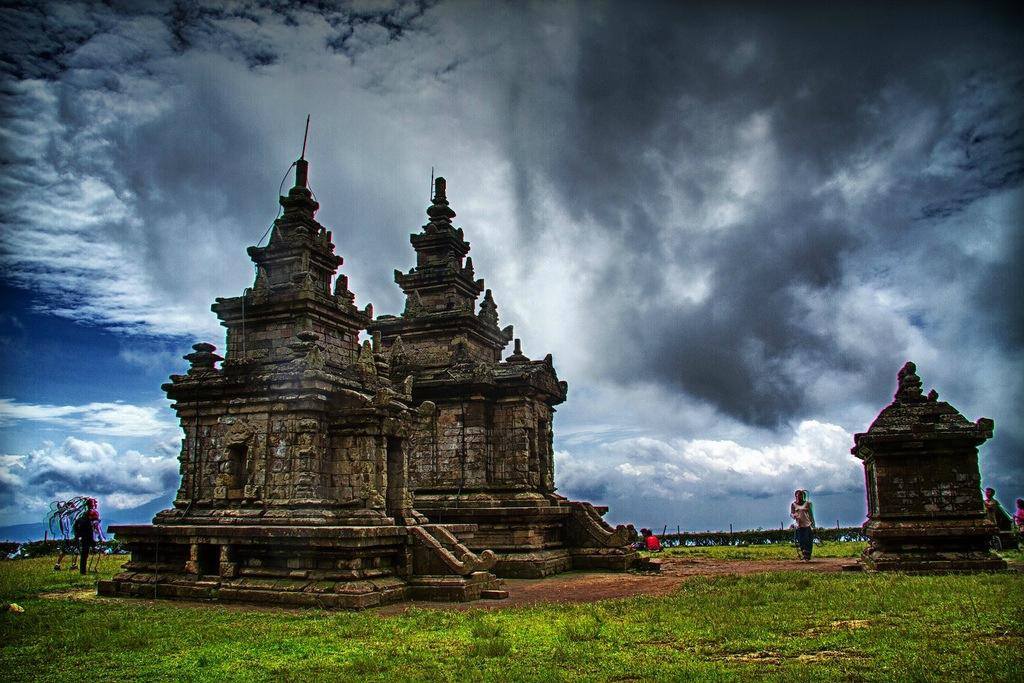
730 223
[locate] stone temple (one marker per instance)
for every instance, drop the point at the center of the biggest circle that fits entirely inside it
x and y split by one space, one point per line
295 483
482 454
318 470
925 510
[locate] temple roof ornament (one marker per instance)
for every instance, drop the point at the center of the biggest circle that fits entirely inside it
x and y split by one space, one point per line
911 413
488 310
517 354
300 203
909 389
203 359
439 212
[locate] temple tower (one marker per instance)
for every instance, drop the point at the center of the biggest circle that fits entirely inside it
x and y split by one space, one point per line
295 481
484 454
441 322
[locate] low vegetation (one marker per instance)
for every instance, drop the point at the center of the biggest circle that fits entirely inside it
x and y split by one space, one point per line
775 626
775 551
822 534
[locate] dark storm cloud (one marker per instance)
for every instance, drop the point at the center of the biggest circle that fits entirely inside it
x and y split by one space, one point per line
168 128
750 326
731 223
37 43
651 115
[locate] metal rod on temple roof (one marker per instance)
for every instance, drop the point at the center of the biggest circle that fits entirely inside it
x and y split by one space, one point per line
304 138
431 197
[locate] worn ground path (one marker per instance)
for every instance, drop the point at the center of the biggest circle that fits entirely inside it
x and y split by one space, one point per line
593 586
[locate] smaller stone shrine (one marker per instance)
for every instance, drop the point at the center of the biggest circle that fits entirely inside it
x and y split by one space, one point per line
481 452
925 511
294 464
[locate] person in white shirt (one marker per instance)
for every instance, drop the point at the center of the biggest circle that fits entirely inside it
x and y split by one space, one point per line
803 515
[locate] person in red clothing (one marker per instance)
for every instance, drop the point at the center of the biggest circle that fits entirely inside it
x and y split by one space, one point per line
651 541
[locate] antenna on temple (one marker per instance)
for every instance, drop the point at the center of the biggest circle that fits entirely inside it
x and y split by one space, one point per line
304 138
431 195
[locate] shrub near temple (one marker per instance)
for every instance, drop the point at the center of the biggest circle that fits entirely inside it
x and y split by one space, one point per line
50 547
759 536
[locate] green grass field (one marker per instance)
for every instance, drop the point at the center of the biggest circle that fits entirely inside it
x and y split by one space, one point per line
774 551
773 626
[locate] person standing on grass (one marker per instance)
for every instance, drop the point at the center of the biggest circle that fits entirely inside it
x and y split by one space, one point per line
1018 516
85 527
803 514
995 512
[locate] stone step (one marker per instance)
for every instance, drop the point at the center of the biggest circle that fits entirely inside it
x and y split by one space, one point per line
493 594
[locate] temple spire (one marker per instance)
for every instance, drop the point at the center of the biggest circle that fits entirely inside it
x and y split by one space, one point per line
439 212
300 198
909 390
488 310
301 165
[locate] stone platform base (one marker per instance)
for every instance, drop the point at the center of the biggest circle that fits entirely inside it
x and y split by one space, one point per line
286 592
533 565
327 567
540 563
926 563
454 588
931 545
605 559
298 593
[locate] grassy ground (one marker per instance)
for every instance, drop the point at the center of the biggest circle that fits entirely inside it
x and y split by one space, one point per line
774 626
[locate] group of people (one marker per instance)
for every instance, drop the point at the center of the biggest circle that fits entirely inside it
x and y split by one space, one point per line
1002 519
645 540
78 518
802 513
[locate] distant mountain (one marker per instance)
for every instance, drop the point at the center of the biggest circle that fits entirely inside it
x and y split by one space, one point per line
22 533
143 514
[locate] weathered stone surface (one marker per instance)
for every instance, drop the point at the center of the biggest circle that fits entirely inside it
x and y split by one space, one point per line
481 449
295 481
925 511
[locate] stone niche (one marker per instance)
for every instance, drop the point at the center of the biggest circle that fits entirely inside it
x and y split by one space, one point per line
925 510
480 451
294 466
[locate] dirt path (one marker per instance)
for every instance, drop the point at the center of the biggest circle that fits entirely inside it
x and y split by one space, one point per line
593 586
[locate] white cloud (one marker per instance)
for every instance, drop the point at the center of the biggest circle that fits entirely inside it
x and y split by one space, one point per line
677 474
78 467
110 419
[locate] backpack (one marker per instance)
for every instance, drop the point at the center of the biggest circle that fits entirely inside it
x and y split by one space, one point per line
83 527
